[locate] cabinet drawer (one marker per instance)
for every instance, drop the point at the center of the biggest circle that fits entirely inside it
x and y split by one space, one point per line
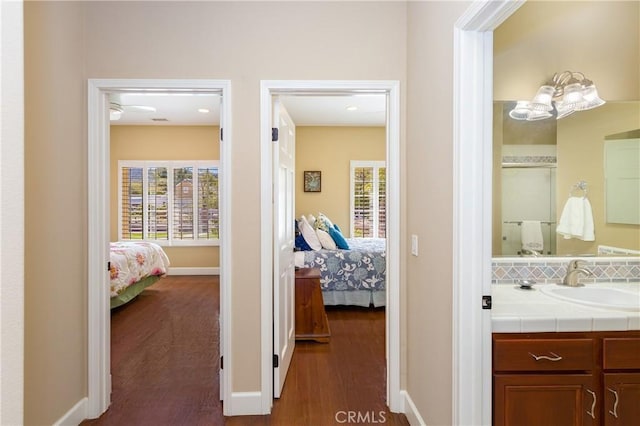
543 355
621 353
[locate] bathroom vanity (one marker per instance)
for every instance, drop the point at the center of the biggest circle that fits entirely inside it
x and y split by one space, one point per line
562 363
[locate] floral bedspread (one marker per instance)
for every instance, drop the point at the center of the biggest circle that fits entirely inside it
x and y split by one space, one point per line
362 267
133 261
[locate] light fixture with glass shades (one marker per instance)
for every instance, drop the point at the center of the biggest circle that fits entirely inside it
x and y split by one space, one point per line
567 92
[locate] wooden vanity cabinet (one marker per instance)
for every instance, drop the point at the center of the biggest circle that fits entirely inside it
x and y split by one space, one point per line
566 378
540 379
621 371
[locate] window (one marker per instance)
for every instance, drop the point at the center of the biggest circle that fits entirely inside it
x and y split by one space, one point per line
368 199
168 202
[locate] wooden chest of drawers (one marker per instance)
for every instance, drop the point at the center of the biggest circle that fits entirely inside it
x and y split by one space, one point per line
311 318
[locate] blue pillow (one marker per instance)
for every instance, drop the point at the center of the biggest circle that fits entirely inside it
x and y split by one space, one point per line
335 225
338 238
301 243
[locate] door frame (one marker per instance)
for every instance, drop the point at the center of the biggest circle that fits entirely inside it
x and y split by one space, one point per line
473 163
98 219
268 88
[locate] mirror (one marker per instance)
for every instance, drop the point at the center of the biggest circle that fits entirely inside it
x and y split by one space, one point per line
537 41
538 165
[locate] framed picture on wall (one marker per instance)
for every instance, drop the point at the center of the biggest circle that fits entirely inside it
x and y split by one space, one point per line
312 181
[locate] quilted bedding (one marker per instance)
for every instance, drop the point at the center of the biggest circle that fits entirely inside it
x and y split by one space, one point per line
350 277
134 261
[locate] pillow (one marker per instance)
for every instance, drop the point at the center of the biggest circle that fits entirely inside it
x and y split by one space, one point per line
301 244
323 223
335 225
339 239
326 240
309 234
312 220
326 220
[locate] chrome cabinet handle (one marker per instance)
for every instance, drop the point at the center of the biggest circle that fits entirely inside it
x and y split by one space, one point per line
556 357
614 413
593 405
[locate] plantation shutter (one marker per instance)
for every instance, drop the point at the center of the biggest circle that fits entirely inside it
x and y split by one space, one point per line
131 201
368 199
208 226
157 204
363 202
175 202
382 202
183 203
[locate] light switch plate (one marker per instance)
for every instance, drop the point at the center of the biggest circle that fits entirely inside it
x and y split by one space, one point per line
414 245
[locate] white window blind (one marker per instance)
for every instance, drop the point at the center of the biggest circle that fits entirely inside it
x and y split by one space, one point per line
368 199
169 202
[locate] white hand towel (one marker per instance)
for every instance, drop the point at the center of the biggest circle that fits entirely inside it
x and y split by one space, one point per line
576 220
531 235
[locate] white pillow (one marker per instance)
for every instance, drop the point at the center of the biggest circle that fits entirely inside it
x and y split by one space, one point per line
312 220
326 240
309 234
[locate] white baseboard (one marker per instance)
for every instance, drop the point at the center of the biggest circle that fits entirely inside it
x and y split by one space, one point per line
194 271
410 410
75 415
246 404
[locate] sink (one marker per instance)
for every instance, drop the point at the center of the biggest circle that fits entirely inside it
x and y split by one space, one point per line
596 295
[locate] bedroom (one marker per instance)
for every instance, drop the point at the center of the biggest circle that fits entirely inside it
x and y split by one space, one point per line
346 152
155 139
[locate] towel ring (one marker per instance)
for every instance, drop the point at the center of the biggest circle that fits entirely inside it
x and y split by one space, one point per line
579 186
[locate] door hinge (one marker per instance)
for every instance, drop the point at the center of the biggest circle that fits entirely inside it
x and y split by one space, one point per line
274 134
221 363
486 302
276 361
108 266
221 134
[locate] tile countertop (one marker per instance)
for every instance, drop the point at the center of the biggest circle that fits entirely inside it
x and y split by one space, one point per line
530 311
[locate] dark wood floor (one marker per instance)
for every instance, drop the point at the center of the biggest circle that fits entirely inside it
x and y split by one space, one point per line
165 355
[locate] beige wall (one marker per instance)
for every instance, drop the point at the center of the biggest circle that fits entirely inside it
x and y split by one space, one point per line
165 143
330 150
526 55
67 43
55 212
429 208
599 38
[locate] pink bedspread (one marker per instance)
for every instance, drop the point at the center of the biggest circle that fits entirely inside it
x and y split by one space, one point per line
133 261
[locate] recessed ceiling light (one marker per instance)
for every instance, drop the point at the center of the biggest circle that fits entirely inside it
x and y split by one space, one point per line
203 110
351 108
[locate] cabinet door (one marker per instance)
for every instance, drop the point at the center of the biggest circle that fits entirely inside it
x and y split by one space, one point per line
551 399
621 399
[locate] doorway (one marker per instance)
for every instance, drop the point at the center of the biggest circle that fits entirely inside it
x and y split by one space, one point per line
98 170
473 97
319 88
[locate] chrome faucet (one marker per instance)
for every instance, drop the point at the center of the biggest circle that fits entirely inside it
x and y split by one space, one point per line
573 269
529 252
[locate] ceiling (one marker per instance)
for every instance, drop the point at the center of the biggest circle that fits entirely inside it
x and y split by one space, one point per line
305 110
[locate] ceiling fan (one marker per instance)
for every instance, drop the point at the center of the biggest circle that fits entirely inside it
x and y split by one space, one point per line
116 110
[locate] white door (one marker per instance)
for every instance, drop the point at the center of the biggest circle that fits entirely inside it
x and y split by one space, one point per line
283 232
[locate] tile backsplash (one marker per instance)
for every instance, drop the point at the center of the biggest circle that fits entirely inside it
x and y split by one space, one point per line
552 270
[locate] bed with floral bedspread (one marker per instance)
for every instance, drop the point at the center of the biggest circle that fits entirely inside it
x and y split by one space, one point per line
134 265
350 277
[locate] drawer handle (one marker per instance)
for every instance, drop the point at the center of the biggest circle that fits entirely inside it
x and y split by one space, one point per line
555 357
614 413
593 404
